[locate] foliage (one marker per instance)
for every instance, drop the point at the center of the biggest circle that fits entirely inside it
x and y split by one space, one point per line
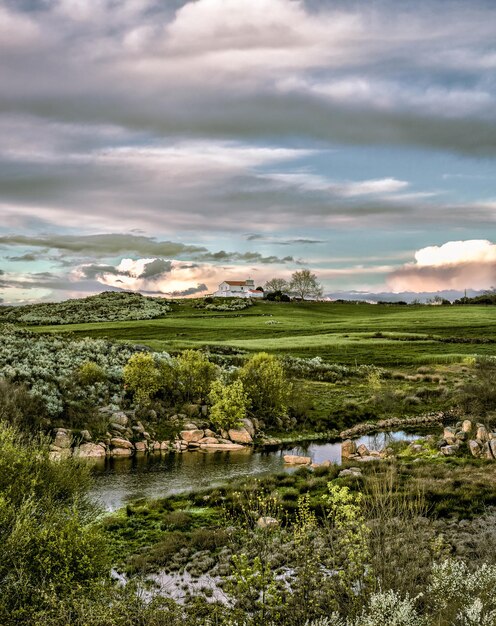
229 404
268 389
305 285
107 306
276 285
19 408
90 373
478 396
195 375
142 376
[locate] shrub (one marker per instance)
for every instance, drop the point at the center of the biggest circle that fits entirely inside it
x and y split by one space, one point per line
229 404
195 375
90 373
142 376
268 389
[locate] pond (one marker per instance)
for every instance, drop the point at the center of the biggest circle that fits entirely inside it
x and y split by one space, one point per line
118 481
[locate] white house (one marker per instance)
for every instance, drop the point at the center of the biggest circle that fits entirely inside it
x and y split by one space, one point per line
238 289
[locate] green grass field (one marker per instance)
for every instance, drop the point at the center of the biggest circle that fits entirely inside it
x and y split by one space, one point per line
342 333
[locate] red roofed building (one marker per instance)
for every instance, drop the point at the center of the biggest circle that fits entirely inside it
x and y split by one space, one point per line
238 289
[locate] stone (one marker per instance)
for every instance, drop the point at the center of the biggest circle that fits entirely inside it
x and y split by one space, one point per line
141 446
164 445
450 450
267 522
292 459
155 445
248 424
466 426
482 434
363 450
449 435
85 435
461 435
190 426
120 418
193 445
348 449
63 438
375 453
487 451
353 472
240 435
59 453
119 442
191 435
213 447
492 447
416 448
209 440
209 433
121 452
90 451
117 427
474 448
146 435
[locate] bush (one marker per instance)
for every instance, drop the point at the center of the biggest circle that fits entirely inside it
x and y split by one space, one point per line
229 404
90 373
142 377
268 389
195 375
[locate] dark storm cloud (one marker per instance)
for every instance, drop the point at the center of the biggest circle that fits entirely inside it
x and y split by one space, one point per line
191 291
156 268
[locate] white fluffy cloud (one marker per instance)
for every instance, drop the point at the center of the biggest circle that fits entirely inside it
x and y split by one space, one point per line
459 265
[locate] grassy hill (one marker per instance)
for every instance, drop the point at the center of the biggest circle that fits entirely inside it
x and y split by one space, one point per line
108 306
344 333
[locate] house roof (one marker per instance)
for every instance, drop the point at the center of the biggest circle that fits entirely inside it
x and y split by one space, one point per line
236 283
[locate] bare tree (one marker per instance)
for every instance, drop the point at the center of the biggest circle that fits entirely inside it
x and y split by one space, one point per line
304 284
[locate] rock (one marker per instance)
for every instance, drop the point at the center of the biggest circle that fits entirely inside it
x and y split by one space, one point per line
292 459
90 451
191 435
190 426
482 434
466 426
213 447
240 435
449 436
141 446
450 450
57 454
146 435
63 438
209 440
363 450
267 522
193 445
121 452
85 435
248 424
164 445
461 435
416 448
120 418
119 442
155 445
209 433
474 448
486 451
376 454
117 427
348 449
492 447
354 472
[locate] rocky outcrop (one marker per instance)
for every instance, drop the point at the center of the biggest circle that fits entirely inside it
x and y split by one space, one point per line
240 435
191 435
90 451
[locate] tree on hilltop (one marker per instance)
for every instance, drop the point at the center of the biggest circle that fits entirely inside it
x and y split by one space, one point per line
304 285
276 284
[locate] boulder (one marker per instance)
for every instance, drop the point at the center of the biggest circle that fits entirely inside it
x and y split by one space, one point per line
482 434
363 450
248 425
191 435
353 472
189 425
90 451
474 448
85 435
348 449
487 451
121 452
209 440
117 427
466 426
119 442
240 435
461 435
63 438
450 450
155 445
416 448
120 418
141 446
267 522
164 445
449 435
220 447
193 445
292 459
209 433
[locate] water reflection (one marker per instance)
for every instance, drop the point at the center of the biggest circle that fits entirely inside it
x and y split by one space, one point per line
119 481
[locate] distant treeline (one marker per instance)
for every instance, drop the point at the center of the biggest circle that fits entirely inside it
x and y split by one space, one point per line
105 307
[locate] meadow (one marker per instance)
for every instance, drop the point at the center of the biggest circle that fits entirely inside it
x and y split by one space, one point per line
382 335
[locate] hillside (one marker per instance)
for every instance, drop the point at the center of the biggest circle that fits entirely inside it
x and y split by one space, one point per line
111 306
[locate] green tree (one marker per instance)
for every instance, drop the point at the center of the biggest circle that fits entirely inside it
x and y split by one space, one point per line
276 284
142 377
229 404
268 389
304 285
195 375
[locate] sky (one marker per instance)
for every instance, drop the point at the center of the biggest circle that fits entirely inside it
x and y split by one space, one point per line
167 145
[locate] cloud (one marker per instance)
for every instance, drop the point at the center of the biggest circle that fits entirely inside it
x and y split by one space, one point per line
458 265
102 245
190 291
23 257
